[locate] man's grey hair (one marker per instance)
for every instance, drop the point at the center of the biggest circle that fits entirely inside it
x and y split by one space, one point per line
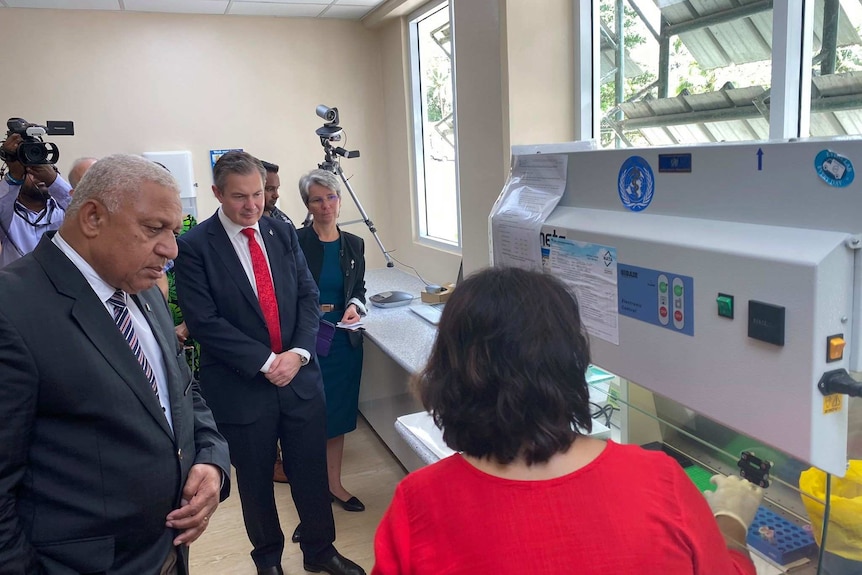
114 179
75 174
323 178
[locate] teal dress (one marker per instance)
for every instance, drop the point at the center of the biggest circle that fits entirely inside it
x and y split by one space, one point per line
342 368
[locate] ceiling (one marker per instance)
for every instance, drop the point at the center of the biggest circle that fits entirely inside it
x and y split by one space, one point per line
344 9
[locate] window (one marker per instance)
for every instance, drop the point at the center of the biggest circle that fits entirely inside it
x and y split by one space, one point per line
684 72
438 212
676 72
836 80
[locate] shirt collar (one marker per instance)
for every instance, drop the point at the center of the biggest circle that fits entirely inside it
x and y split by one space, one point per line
102 288
232 228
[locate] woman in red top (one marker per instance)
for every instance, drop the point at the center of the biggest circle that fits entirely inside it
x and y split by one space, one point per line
528 494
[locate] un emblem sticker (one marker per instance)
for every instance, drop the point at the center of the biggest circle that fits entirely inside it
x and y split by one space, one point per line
636 184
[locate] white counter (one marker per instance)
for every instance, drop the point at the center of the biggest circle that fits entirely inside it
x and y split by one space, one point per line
398 343
400 333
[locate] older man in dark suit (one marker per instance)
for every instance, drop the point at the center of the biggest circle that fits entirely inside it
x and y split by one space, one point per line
110 461
249 299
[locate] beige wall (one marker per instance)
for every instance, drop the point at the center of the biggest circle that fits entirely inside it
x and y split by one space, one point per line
435 265
481 87
135 82
514 85
541 55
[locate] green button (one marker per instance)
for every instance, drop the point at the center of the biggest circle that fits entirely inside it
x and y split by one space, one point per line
677 291
725 305
662 287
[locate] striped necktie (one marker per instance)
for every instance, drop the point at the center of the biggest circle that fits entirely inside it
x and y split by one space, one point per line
124 322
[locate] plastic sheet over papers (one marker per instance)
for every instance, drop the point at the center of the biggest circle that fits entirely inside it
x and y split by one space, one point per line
534 189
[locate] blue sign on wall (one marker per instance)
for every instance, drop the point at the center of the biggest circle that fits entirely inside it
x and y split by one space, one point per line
661 298
216 154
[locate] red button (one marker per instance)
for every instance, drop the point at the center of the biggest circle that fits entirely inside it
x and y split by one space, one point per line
677 315
662 311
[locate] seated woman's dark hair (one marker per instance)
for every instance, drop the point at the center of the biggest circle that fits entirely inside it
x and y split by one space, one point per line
506 376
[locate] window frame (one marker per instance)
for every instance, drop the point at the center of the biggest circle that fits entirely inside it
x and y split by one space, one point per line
790 92
415 105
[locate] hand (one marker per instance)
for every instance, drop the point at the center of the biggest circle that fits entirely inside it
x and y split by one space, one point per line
734 497
42 173
351 315
10 148
199 502
284 368
182 332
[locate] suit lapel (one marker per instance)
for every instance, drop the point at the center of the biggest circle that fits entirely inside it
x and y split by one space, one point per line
97 324
225 251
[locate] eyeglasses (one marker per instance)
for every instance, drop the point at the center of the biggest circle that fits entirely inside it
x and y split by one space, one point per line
319 201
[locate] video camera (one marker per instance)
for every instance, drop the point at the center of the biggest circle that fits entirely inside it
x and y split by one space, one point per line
32 151
331 132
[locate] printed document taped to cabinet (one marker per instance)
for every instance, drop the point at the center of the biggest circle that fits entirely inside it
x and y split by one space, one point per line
591 270
534 189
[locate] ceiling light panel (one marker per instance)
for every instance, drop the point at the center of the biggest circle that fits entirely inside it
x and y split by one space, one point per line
320 2
347 12
287 10
65 4
370 3
177 6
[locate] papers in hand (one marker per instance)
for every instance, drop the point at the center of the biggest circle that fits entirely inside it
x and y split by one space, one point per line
350 326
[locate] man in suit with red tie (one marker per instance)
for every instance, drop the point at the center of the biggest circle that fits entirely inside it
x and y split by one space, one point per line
110 461
249 299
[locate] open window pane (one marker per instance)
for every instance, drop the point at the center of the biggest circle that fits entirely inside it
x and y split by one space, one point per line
836 91
434 126
686 71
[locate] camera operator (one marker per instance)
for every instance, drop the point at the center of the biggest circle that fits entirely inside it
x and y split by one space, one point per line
33 200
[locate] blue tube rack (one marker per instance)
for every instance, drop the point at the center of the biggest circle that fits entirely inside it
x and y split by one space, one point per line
789 542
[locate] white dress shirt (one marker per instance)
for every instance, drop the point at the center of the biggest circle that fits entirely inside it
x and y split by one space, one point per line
147 340
240 246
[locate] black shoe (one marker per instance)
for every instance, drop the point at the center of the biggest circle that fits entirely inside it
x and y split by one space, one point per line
338 564
352 504
295 537
274 570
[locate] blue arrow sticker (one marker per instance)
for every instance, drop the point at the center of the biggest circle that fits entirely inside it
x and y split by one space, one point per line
636 183
835 170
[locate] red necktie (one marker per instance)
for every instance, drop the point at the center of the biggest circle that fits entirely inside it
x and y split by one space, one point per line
265 290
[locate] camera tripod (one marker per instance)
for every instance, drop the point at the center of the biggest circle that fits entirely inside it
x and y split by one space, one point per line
328 133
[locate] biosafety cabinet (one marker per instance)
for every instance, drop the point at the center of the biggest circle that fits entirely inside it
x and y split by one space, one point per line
722 285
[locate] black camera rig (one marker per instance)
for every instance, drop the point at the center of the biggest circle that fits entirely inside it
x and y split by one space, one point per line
331 132
32 151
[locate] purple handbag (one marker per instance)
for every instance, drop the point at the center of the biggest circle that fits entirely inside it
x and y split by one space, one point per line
324 337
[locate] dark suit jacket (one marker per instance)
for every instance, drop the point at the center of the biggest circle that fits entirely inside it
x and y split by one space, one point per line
223 314
352 259
89 467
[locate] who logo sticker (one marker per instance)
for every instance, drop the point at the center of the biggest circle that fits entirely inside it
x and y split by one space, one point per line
636 184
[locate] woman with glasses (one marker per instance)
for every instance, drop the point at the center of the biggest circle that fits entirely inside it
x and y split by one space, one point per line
337 262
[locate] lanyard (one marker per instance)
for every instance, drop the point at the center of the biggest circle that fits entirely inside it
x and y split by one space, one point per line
44 214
